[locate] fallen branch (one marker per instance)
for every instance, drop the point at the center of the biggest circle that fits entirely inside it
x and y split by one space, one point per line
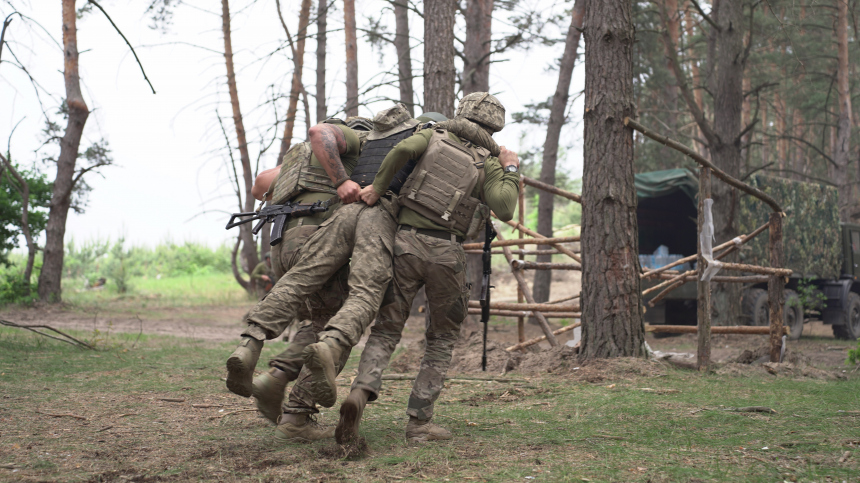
752 409
61 415
172 399
68 339
542 338
232 412
411 377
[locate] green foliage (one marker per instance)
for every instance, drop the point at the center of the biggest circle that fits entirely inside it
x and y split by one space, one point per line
11 206
854 355
809 296
118 268
14 289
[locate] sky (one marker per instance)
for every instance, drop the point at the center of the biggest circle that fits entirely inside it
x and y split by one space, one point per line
169 181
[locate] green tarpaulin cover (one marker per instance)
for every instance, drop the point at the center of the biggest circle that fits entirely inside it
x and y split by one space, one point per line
666 182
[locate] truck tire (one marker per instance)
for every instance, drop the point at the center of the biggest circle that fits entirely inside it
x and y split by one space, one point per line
755 308
850 329
792 314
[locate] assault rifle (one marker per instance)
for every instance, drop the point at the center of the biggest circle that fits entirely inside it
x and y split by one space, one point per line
489 234
277 215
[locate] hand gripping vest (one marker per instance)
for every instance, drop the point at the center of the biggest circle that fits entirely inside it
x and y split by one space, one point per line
370 159
441 185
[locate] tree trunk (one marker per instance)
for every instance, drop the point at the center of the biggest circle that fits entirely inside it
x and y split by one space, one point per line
725 152
404 55
351 58
476 48
841 156
61 197
543 278
322 13
611 303
689 22
249 248
296 87
674 28
439 71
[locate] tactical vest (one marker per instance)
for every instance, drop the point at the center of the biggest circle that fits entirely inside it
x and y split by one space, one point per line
370 159
441 185
298 175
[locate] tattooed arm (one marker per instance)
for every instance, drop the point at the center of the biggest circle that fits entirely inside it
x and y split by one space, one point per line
328 143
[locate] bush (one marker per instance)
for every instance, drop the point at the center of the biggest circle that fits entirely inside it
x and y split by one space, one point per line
14 289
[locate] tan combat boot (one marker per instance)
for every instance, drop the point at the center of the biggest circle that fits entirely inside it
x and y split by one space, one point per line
320 359
269 392
241 364
350 416
421 431
302 428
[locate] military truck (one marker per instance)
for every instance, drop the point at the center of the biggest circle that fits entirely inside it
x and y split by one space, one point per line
823 253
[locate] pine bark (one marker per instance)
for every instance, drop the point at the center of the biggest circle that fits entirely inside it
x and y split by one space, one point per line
546 202
249 248
476 48
296 86
404 55
50 277
351 58
439 71
842 153
611 303
322 14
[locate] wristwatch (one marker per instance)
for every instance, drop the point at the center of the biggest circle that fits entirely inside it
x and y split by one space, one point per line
512 168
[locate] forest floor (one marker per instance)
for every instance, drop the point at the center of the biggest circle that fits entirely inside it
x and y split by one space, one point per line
150 405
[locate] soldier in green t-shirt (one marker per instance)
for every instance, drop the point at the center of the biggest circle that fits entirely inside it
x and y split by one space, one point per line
428 253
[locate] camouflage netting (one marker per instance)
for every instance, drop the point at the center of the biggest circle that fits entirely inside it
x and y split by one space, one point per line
811 231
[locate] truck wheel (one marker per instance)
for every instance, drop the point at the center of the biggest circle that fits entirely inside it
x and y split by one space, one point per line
850 329
793 314
754 307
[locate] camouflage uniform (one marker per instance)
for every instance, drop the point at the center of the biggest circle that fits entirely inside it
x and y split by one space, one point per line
431 256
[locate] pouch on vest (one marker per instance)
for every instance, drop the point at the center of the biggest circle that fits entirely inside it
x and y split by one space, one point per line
441 185
298 175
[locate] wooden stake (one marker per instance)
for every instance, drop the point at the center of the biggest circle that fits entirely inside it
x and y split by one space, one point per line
776 286
703 301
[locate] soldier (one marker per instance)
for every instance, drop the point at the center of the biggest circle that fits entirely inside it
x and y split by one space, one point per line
446 199
262 274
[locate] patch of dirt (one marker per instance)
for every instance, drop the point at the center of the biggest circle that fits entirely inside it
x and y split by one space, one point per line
353 450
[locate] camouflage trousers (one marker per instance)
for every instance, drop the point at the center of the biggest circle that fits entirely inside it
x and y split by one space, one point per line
365 233
440 266
314 314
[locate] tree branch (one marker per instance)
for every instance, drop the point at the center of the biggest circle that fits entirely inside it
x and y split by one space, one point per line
705 16
126 42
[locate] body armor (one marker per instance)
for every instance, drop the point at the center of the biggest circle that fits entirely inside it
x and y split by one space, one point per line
298 175
372 154
441 185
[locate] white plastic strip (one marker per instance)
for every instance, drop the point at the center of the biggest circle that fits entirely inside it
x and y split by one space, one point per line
706 239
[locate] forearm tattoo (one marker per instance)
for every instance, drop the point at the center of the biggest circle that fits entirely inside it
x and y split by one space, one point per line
333 144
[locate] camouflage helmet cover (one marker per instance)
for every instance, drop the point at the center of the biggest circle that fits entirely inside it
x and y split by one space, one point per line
390 121
484 108
359 123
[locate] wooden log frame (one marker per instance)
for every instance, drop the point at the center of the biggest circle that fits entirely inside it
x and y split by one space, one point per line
703 289
520 253
523 241
531 306
731 244
719 329
536 340
518 275
706 164
536 235
716 279
550 189
527 313
565 299
524 265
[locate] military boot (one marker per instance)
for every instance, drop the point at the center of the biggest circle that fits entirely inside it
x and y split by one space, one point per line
302 428
269 392
350 416
421 431
320 359
241 364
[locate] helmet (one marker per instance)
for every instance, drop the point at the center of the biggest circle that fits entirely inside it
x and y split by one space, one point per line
432 117
358 123
483 108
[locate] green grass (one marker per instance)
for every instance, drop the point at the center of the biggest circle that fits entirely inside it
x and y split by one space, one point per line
553 428
151 292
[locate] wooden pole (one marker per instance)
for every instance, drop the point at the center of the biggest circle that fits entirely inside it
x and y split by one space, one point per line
550 189
544 325
542 338
561 248
515 252
524 265
775 287
703 301
527 313
527 306
521 322
720 329
525 241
